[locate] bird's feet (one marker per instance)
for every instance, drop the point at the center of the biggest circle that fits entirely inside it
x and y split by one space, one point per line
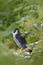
20 50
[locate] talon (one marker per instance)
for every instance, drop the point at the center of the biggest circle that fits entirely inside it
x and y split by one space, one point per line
20 50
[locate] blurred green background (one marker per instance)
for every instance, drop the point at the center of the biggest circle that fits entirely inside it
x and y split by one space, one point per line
27 15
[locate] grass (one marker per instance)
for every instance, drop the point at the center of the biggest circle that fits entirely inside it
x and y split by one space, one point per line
28 19
8 58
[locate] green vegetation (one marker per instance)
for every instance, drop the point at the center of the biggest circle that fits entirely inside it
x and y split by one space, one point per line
27 15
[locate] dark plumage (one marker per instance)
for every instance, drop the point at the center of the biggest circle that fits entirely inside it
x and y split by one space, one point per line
21 40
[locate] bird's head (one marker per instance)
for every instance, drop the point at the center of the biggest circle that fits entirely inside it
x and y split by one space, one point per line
16 31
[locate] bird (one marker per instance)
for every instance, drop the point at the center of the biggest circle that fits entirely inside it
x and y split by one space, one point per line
20 41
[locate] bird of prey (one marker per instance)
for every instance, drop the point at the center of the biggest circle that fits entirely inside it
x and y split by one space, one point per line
20 40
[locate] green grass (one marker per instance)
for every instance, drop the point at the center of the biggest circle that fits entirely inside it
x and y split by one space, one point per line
22 14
